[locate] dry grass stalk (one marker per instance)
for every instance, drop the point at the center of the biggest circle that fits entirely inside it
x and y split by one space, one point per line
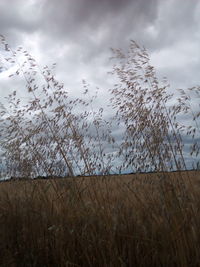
136 220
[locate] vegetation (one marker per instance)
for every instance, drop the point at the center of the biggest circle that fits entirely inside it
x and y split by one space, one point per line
127 220
149 219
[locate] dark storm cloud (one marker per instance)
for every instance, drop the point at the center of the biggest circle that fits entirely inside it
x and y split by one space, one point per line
76 17
78 34
96 25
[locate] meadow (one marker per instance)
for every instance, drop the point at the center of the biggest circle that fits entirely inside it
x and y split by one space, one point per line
148 218
122 220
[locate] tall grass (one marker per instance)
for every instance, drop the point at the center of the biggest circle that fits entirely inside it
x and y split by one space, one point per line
149 219
153 134
135 220
53 132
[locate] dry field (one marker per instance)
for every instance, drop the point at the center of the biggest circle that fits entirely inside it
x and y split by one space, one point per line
126 220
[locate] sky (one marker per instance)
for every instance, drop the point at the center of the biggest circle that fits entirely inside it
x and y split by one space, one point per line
78 35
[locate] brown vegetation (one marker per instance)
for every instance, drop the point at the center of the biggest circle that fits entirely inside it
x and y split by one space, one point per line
126 220
149 219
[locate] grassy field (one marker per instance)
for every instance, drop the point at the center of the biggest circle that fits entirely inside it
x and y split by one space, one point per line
149 219
125 220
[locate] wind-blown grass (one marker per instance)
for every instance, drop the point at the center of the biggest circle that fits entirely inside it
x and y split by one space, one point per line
52 134
137 220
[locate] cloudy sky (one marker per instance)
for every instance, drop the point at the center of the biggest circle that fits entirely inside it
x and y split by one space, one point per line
78 35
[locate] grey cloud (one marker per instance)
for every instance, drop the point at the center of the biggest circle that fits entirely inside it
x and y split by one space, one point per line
96 25
77 34
72 16
18 17
177 21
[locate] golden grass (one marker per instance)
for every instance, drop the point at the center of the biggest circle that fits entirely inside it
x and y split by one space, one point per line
126 220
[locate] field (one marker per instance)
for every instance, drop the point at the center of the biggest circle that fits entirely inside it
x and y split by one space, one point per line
146 219
124 220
